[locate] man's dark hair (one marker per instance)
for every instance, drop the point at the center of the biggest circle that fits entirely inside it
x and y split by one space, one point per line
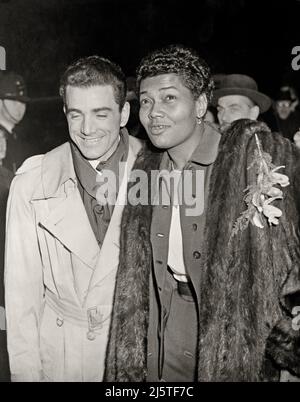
185 62
95 70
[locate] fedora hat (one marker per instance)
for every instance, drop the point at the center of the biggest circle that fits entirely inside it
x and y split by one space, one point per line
12 86
239 84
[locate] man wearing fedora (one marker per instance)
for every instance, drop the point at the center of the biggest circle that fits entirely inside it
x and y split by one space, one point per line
13 99
237 97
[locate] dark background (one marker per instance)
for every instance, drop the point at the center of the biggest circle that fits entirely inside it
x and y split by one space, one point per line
235 36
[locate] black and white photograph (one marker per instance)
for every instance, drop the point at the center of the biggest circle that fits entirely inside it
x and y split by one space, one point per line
149 193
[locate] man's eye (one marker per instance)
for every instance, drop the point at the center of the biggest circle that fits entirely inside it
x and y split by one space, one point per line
102 116
74 116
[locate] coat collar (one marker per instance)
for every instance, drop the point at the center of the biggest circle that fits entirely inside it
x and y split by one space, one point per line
58 171
206 151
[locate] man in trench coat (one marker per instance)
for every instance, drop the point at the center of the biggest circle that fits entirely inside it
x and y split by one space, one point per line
62 246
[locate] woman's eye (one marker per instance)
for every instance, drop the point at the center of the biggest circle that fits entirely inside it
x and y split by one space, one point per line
144 102
170 97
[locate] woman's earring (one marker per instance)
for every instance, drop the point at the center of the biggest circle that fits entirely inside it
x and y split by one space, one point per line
199 120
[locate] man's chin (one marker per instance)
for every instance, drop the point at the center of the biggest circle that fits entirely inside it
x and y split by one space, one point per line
224 127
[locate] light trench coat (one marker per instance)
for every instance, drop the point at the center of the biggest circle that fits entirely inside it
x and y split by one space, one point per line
59 284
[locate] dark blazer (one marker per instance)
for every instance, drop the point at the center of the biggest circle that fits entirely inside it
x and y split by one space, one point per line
192 235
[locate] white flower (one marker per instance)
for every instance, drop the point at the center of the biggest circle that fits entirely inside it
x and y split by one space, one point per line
279 178
258 200
271 212
274 192
257 220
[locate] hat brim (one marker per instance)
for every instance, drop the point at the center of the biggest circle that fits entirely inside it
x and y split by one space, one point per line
263 101
24 99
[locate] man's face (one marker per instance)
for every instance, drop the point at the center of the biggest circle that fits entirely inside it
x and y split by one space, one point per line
283 108
168 111
297 139
12 110
234 107
2 145
94 120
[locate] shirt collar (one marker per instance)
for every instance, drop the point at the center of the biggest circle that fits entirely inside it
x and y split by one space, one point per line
206 151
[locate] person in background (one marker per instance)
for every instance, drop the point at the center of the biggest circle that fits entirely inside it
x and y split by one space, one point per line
296 139
210 118
13 99
134 126
237 97
286 113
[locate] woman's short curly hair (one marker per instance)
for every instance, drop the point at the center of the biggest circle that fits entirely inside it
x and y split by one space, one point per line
180 60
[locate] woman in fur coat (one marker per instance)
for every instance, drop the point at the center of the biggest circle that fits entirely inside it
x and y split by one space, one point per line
249 271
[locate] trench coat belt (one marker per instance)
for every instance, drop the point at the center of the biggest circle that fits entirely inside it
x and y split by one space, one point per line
66 311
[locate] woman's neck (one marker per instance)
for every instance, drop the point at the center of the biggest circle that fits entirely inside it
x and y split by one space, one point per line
182 153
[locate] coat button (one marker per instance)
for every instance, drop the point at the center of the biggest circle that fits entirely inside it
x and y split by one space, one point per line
91 335
160 235
59 322
195 226
196 255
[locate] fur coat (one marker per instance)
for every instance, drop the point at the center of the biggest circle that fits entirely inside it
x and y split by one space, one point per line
248 285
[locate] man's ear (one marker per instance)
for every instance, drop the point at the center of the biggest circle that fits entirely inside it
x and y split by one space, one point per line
254 112
294 105
201 105
125 114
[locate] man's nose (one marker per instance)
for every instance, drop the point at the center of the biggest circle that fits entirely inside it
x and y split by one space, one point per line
86 126
225 117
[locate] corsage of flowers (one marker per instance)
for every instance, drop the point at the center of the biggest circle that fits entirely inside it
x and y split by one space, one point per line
260 195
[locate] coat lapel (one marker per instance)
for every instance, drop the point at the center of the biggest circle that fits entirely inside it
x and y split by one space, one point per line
109 255
69 223
61 210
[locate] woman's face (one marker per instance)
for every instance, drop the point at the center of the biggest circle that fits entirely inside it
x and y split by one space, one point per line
169 111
